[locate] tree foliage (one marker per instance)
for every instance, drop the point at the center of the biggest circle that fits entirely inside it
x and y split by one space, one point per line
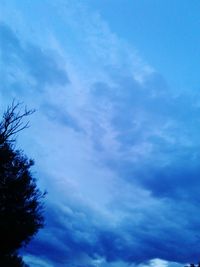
12 261
20 199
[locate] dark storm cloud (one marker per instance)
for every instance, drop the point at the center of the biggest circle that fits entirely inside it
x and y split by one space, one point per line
74 237
144 118
68 237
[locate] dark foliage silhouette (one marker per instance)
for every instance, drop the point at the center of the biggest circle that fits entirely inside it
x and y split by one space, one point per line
193 265
12 261
20 199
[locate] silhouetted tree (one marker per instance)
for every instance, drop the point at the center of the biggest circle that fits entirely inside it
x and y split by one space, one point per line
193 265
12 261
20 199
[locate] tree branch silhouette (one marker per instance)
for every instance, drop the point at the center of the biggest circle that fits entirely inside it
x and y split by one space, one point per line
12 122
21 207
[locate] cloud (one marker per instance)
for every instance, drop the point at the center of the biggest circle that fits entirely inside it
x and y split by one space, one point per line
117 149
54 113
76 238
74 235
39 68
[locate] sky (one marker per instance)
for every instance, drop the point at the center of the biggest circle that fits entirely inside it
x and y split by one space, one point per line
115 135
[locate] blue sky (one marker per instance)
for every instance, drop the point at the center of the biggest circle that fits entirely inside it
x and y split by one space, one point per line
116 134
164 32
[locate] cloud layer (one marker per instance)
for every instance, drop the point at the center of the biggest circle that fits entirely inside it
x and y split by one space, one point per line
115 147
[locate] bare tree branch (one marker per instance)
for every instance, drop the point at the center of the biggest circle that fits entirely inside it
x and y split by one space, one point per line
12 121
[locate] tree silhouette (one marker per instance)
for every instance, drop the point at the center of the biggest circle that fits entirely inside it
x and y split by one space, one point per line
12 261
20 199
